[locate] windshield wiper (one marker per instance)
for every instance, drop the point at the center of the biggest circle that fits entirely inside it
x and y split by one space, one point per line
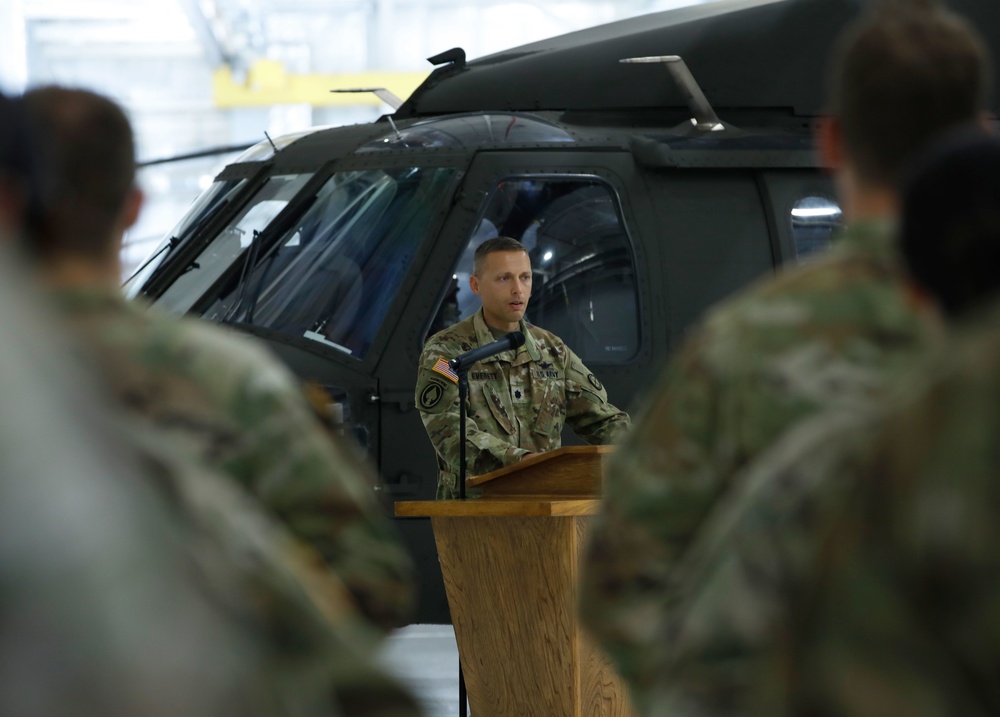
248 264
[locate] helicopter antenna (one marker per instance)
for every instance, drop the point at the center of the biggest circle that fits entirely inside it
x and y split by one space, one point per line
704 116
273 145
382 93
394 127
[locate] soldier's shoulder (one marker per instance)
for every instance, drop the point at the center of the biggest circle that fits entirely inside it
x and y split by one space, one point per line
458 337
843 286
544 338
219 355
843 271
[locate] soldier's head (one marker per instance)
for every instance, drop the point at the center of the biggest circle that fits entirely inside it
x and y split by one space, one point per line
90 196
902 74
501 277
950 228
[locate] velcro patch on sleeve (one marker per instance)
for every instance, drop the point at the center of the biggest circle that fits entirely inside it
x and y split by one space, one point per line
442 367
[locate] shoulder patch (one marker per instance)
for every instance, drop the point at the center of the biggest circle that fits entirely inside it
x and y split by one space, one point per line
594 382
444 368
431 395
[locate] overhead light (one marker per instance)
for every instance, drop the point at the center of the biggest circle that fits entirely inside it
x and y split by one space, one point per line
813 212
547 256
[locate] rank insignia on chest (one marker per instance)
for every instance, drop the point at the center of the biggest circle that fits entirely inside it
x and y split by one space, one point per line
519 396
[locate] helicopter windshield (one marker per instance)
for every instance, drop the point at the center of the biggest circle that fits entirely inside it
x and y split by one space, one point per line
333 275
204 208
229 244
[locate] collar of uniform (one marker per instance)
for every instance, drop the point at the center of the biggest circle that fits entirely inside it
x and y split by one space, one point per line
88 298
875 237
528 352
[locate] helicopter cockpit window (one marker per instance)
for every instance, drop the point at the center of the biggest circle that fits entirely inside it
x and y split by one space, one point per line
225 248
204 208
333 276
470 131
814 221
583 270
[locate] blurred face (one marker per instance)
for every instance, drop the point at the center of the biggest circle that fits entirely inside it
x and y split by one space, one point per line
504 285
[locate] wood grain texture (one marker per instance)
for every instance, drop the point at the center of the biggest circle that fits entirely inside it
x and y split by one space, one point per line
495 507
512 588
571 471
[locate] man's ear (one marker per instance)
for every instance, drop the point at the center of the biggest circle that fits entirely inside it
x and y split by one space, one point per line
474 284
132 208
830 140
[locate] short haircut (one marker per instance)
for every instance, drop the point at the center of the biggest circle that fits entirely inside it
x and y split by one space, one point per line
904 72
950 227
88 153
493 245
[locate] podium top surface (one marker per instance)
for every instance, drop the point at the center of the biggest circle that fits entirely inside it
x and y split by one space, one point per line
567 473
495 507
543 461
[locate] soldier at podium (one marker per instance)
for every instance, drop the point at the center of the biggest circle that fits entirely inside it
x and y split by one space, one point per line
518 400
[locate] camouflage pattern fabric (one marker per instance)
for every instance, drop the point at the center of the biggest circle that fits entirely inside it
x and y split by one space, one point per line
315 649
518 402
856 571
829 333
732 588
229 405
907 584
102 614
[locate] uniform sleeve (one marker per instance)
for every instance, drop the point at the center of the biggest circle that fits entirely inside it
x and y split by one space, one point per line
588 411
658 486
322 490
437 401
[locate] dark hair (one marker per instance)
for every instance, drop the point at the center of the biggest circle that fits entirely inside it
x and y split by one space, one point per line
903 73
88 153
492 245
18 168
950 231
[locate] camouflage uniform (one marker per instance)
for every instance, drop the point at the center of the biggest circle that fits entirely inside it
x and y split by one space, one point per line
518 403
315 651
857 569
829 333
230 406
910 566
101 612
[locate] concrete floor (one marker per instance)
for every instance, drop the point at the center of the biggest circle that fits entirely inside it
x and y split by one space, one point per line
425 659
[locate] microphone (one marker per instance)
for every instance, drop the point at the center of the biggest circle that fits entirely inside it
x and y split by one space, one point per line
513 340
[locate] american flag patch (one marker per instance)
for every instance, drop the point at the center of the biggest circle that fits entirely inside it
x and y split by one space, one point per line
444 369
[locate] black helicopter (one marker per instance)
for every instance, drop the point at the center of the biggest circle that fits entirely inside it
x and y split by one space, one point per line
651 166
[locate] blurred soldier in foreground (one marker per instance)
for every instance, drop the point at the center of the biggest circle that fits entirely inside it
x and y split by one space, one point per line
217 397
856 571
134 582
831 333
518 400
97 594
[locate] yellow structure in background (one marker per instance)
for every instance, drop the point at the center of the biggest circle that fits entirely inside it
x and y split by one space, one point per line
267 83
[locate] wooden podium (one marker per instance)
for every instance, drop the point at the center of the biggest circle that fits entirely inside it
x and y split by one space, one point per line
510 561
